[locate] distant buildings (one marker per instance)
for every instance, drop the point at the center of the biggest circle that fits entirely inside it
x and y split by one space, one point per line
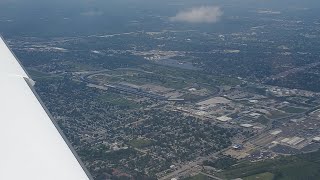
224 118
316 139
246 125
237 147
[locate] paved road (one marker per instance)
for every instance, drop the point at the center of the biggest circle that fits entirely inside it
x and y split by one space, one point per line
185 169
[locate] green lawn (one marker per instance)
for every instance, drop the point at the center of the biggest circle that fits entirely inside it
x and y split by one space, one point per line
299 167
140 143
290 109
190 76
198 177
35 73
263 120
116 99
191 97
157 79
275 114
78 66
261 176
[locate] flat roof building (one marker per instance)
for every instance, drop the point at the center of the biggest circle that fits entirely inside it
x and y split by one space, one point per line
224 118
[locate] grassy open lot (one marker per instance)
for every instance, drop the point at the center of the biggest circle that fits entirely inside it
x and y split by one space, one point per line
42 76
169 77
106 78
140 143
198 177
116 99
291 109
157 79
275 114
261 176
263 120
299 167
191 76
36 74
192 97
81 66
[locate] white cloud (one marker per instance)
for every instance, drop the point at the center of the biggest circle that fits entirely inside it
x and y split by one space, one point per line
204 14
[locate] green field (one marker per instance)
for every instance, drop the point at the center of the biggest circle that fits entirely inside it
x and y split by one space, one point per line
78 66
263 120
37 74
140 143
191 97
299 167
116 99
198 177
275 114
290 109
106 78
168 77
141 78
262 176
190 76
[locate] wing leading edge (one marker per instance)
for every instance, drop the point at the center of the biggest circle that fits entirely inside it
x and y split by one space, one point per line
32 145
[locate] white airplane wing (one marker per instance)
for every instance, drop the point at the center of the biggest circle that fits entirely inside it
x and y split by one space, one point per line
32 146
